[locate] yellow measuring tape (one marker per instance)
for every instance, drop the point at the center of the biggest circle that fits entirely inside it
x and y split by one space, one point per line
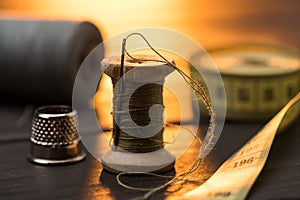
259 79
234 179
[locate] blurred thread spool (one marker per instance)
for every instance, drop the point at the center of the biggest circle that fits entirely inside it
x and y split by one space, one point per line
39 59
259 79
137 153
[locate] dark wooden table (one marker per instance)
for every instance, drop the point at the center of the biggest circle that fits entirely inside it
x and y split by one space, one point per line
226 22
20 179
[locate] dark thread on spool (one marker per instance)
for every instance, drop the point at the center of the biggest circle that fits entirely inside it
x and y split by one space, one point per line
139 104
200 91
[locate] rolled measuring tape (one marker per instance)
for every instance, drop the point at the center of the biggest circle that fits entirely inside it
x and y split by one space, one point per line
259 79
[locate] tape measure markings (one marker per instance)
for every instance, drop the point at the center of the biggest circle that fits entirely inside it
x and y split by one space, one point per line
235 177
259 79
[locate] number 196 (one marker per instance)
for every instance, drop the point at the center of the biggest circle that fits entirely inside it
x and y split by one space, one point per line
243 162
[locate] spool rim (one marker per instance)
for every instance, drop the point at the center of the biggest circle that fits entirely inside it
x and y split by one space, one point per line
142 71
158 161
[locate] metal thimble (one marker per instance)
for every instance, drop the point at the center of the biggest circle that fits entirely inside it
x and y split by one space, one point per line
54 136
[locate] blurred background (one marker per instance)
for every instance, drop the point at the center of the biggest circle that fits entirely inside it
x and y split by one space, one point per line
210 23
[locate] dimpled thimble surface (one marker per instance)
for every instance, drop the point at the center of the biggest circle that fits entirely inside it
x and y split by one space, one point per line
54 136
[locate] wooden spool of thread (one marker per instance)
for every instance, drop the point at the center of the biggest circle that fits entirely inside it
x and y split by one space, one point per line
141 86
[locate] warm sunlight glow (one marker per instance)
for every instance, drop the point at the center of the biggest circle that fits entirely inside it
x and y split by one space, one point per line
209 23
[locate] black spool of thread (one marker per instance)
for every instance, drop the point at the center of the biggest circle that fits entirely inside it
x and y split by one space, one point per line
39 59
